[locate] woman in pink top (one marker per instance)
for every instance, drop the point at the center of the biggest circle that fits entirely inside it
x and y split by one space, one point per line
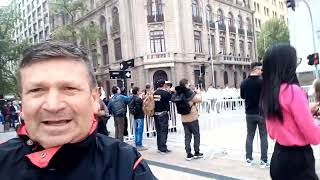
288 117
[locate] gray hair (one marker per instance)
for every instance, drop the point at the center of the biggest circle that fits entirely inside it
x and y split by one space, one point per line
55 49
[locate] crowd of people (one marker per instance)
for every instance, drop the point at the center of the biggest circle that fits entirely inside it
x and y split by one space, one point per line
9 113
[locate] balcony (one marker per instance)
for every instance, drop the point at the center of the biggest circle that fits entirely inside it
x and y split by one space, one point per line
158 55
222 27
249 33
155 18
229 59
241 31
197 19
232 29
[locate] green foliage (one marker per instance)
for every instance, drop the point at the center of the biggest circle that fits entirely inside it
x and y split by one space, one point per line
89 34
272 31
10 52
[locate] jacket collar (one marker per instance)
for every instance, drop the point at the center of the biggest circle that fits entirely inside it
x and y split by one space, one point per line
41 157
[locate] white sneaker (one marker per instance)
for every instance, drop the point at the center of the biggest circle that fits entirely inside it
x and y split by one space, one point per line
264 164
248 162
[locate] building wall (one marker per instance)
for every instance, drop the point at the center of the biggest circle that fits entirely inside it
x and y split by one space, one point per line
33 23
179 60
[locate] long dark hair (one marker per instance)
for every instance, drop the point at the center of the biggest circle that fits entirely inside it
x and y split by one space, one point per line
279 66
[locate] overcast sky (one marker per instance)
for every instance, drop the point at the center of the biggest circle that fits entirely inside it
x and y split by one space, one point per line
4 2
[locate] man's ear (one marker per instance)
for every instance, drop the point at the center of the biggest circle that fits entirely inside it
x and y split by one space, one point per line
95 98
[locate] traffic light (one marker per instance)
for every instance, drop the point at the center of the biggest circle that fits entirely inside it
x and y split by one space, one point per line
291 4
313 59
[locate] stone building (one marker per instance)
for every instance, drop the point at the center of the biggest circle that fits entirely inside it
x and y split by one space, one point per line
205 41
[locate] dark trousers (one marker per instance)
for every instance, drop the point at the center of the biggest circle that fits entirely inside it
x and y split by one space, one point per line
125 131
252 122
293 162
119 127
102 128
162 125
191 128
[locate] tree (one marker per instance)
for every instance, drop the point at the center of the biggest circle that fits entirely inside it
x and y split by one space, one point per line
68 31
10 52
272 31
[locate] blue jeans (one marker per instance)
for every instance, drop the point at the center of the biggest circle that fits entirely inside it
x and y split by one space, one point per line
139 131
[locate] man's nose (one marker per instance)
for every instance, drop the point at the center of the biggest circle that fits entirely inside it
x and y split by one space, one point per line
53 102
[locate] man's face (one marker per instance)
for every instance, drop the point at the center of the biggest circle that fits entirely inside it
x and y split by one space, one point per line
258 70
58 103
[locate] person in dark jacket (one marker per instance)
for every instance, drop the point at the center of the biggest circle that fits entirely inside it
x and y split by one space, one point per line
250 91
137 104
162 99
58 138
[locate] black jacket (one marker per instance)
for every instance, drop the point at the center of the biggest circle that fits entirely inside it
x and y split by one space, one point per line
138 103
98 157
162 100
250 90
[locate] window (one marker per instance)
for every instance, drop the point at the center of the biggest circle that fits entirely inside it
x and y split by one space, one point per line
25 33
94 58
195 8
35 38
209 17
220 17
249 25
258 7
150 8
103 25
158 7
29 20
105 55
222 43
20 27
267 11
157 42
34 16
197 41
115 19
24 13
212 45
30 31
230 19
225 78
34 27
44 6
46 32
40 24
24 24
32 3
39 11
232 47
240 22
117 49
241 45
46 19
259 21
250 49
40 35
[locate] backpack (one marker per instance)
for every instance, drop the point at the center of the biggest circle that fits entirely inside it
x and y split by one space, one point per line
132 106
182 103
119 108
148 105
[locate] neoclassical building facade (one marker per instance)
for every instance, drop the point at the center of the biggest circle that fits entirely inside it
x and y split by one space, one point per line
205 41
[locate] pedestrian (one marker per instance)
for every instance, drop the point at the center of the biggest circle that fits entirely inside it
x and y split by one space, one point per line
315 107
135 107
58 138
125 130
288 117
118 108
162 99
101 116
250 91
13 115
186 101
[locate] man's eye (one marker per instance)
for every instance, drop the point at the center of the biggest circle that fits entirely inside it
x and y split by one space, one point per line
35 90
70 88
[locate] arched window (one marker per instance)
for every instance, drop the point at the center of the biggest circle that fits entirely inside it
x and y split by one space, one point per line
230 19
103 24
115 19
240 22
225 78
195 8
220 17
